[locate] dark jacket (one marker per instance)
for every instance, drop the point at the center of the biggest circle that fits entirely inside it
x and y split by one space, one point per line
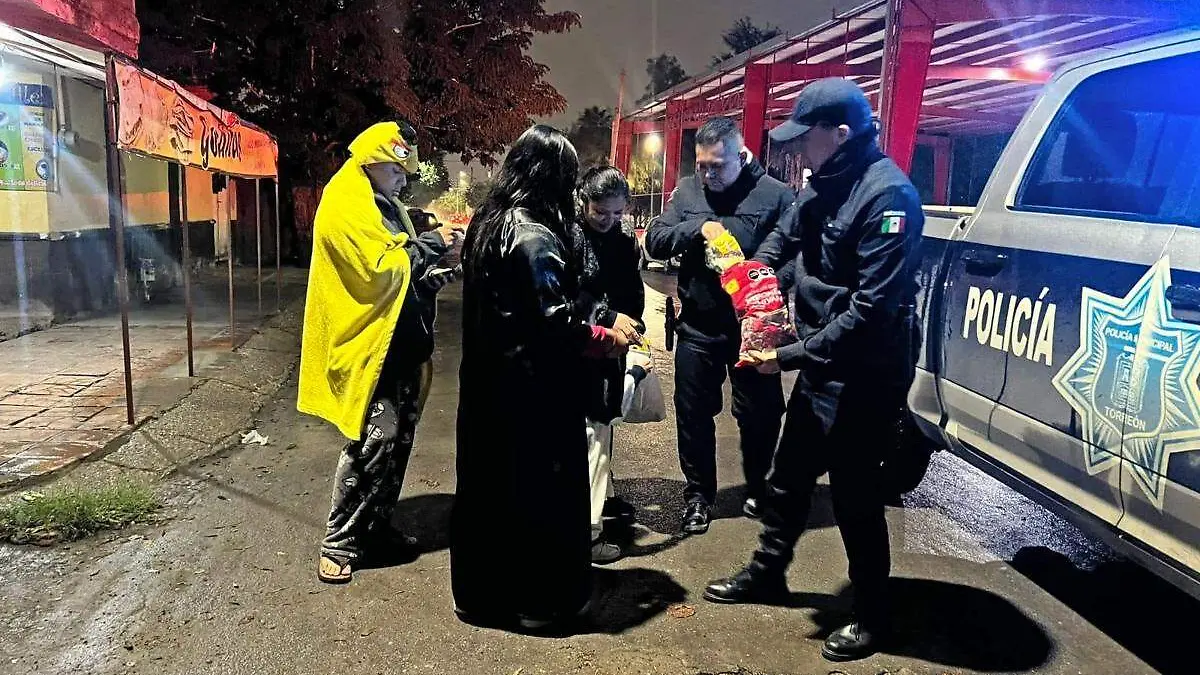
609 284
412 342
749 209
855 274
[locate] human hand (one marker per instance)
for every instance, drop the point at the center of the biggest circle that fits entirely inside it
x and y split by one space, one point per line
711 230
628 327
766 363
435 280
453 236
620 344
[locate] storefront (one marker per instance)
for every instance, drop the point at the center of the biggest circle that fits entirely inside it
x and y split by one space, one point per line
104 165
155 118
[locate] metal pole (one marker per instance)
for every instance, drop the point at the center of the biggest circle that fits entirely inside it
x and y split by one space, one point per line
616 125
258 237
229 252
186 259
278 247
116 222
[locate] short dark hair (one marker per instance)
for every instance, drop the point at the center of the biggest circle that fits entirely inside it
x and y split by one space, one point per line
602 182
719 130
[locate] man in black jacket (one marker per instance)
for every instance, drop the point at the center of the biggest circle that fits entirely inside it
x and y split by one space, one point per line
856 230
729 193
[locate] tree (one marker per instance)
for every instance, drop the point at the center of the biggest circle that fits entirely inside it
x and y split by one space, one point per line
665 72
591 135
744 36
432 181
316 72
645 174
455 204
478 192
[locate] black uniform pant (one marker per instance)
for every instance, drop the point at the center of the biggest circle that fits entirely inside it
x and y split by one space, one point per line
846 434
700 371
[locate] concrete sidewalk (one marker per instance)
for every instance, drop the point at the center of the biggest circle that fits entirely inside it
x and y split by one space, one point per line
62 391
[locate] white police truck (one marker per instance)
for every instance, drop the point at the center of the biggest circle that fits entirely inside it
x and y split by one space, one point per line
1061 315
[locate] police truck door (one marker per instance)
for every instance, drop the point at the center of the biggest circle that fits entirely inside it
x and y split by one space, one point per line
1093 241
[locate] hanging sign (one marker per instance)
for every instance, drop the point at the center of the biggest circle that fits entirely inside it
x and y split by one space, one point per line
157 117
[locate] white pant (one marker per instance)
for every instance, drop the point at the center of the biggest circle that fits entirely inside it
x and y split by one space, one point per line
600 464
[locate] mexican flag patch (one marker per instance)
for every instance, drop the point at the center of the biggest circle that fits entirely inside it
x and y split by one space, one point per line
893 222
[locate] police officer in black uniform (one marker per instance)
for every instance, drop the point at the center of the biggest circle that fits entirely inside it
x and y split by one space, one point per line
731 192
853 234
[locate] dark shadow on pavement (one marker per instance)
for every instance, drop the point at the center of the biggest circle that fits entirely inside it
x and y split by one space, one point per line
1148 616
628 598
621 600
948 624
659 503
426 517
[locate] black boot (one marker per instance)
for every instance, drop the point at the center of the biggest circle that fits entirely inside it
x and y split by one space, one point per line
751 585
851 643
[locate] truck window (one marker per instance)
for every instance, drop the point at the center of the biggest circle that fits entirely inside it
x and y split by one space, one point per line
1125 145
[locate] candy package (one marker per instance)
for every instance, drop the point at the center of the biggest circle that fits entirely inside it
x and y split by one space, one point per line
760 306
722 253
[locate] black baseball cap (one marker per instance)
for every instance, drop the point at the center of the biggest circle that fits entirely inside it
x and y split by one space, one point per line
833 100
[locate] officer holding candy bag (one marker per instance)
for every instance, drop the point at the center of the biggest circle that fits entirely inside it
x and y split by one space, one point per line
854 235
731 198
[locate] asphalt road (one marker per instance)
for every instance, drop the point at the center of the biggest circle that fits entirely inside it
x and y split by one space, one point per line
986 581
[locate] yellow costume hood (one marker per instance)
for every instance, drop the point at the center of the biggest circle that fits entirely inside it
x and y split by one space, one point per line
357 282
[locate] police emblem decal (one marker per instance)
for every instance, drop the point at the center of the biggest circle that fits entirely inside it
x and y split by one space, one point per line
1135 381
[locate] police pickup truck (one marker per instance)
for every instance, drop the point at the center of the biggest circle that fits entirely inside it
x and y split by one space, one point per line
1061 316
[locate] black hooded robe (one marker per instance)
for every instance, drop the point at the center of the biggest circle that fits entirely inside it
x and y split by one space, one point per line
520 538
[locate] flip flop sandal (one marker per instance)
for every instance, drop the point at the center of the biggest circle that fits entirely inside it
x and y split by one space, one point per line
333 570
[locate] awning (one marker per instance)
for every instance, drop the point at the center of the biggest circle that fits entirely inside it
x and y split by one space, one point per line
988 62
78 61
102 25
159 118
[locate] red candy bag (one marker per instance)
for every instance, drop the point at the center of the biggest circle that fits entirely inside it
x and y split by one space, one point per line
760 306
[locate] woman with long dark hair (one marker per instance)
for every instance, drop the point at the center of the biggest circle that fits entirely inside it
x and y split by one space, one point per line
520 553
610 295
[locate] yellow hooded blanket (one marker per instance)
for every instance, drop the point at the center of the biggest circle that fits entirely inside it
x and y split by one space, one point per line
357 282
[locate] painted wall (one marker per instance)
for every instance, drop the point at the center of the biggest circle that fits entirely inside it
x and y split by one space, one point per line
201 200
81 201
146 196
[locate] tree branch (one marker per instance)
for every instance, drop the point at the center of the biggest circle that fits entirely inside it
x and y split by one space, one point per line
465 26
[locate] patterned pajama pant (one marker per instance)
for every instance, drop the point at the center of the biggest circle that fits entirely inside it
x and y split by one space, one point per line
370 471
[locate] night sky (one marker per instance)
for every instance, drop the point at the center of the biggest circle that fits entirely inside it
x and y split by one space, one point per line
623 33
585 63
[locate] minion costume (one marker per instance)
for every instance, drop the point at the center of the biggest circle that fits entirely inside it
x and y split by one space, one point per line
368 340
